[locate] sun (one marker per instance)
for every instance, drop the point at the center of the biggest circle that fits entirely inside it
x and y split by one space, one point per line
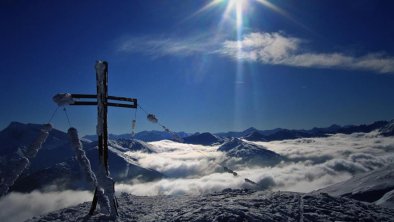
236 9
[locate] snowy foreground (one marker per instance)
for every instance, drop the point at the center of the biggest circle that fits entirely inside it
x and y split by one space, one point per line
233 205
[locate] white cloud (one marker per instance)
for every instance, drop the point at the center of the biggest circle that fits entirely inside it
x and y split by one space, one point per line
21 206
279 49
266 48
158 47
311 164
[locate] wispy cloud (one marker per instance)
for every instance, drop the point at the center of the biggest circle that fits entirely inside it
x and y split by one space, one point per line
266 48
158 47
279 49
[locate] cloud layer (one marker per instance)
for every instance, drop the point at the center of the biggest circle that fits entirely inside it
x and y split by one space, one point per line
311 164
260 47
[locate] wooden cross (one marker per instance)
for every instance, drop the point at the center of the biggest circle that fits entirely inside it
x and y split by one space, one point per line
102 100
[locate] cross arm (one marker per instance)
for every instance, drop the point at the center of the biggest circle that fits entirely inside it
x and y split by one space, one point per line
127 102
91 99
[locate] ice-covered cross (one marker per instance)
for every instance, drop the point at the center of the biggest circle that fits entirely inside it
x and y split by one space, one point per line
105 184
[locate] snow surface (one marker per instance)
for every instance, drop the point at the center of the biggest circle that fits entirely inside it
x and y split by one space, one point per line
232 205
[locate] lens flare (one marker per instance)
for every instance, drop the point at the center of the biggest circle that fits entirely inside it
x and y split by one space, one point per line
233 17
239 8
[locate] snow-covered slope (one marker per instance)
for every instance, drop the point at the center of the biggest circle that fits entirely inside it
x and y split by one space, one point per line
233 205
369 187
250 153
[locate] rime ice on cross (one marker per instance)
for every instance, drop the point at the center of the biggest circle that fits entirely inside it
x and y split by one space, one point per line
105 189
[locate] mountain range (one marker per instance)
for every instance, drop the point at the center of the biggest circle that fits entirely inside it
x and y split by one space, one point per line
253 134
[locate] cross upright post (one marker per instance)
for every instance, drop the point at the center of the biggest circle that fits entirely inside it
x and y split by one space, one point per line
105 187
102 112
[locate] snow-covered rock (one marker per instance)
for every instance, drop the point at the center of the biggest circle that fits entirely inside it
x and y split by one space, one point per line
251 153
232 205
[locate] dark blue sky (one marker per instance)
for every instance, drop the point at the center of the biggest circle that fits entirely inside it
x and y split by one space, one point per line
305 63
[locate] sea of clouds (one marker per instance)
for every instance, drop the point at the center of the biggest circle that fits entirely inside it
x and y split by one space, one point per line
309 164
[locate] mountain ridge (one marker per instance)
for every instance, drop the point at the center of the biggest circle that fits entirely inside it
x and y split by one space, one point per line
255 134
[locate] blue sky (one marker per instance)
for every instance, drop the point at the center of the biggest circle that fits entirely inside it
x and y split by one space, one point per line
288 63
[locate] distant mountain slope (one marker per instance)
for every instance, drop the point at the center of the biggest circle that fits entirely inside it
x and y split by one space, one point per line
123 167
68 175
369 187
18 135
386 128
255 136
233 205
132 145
203 139
250 153
55 163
